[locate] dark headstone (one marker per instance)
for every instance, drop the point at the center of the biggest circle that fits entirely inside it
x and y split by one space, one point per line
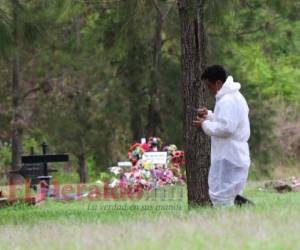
35 167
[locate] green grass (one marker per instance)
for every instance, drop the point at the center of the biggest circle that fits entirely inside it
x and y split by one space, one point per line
167 201
272 224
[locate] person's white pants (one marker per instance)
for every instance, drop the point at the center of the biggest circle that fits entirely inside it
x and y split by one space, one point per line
225 182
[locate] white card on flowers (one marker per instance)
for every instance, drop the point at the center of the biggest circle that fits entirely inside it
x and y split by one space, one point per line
155 157
124 164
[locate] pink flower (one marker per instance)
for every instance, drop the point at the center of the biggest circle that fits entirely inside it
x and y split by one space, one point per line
169 174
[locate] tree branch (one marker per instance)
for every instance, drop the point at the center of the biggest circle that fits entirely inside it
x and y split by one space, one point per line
157 8
162 15
248 32
168 12
31 91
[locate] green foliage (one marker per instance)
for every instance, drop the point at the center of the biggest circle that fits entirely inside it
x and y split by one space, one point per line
93 64
29 143
105 176
5 152
5 155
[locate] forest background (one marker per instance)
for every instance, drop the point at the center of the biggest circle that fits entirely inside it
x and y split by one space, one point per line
90 77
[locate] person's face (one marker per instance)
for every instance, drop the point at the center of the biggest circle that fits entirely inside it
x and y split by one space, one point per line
214 87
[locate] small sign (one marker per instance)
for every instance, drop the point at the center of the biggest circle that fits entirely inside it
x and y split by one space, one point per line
124 164
156 157
31 170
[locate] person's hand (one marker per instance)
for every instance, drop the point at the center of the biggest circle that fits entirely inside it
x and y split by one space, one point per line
202 112
198 122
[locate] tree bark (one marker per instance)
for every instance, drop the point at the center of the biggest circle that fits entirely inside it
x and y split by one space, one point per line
82 168
17 124
194 92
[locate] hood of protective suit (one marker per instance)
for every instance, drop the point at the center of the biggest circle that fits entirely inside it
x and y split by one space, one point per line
228 87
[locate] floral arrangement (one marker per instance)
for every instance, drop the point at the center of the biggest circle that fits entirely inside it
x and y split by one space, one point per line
147 175
136 152
176 159
155 143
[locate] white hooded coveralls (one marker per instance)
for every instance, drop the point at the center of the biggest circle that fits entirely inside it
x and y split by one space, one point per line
229 129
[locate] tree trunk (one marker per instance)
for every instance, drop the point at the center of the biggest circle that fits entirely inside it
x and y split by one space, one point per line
82 168
135 121
17 117
81 153
154 118
79 109
154 115
133 74
194 91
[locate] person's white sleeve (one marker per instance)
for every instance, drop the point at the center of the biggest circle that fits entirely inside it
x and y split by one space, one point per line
210 115
225 124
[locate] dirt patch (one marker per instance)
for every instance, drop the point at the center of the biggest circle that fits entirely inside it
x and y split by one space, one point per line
291 184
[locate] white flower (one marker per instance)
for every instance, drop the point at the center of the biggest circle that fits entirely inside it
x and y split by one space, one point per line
116 170
114 183
146 173
143 182
99 182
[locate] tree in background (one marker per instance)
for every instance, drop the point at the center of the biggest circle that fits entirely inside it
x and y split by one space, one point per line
154 120
20 28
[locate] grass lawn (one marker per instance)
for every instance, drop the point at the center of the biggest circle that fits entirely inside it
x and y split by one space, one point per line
153 223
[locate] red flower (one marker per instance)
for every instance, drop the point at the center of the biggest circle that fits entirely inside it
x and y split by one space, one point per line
145 146
177 153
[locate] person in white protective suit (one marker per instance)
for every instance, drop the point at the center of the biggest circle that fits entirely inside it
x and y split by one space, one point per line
229 129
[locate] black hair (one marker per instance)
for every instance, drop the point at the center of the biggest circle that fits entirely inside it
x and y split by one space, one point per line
214 73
